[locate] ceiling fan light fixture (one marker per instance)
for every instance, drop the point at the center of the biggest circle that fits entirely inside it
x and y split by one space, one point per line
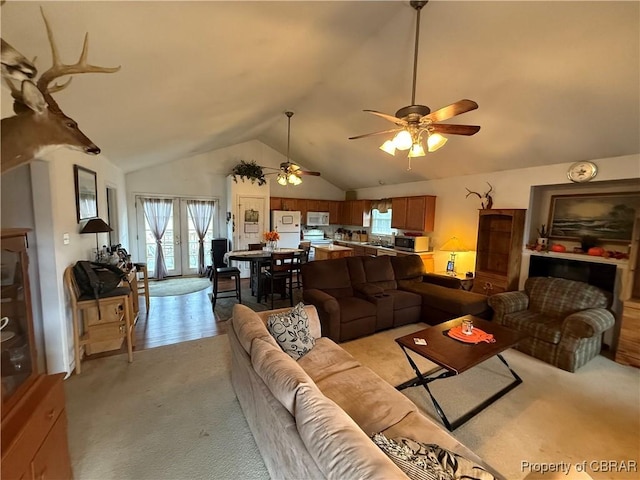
282 179
294 179
435 141
388 147
417 150
403 140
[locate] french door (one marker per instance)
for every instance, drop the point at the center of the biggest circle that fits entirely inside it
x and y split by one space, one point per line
180 240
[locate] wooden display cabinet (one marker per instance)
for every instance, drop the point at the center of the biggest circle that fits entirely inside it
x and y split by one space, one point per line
499 250
34 423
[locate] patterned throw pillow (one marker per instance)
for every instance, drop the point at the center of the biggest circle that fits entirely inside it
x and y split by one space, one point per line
291 331
423 461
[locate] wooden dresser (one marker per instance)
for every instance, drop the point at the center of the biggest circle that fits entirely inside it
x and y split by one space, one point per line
34 423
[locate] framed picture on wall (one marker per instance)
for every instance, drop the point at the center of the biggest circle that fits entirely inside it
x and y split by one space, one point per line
86 183
608 217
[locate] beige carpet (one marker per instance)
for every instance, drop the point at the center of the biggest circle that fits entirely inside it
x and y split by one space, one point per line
553 416
171 414
177 286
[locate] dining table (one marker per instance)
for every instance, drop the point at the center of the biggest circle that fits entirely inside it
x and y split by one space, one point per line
258 260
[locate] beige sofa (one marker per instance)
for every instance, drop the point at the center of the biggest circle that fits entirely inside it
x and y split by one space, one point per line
312 418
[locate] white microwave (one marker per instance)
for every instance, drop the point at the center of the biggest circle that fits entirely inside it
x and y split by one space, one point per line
318 219
412 244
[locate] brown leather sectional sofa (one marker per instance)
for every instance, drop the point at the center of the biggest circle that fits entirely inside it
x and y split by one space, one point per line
358 296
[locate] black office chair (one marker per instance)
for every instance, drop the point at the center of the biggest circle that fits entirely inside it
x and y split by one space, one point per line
281 270
222 271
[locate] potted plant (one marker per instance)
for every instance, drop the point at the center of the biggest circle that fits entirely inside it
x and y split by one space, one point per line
543 236
250 170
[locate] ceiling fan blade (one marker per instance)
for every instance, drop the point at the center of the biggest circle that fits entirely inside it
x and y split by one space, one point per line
375 133
305 172
461 106
455 129
391 118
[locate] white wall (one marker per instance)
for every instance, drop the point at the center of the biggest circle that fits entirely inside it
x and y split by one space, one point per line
458 216
42 196
205 175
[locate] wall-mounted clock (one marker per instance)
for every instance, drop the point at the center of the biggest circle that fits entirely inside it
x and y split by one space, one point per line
582 171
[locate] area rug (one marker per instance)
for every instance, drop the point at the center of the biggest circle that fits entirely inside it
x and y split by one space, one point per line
177 286
224 306
553 416
171 414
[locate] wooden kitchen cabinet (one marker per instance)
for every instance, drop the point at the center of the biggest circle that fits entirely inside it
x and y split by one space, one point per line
356 213
413 213
499 250
399 212
335 210
275 203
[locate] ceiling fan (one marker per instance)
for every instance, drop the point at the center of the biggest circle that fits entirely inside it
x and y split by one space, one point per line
413 122
289 172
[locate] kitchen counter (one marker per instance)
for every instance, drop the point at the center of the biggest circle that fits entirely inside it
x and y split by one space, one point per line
365 248
327 252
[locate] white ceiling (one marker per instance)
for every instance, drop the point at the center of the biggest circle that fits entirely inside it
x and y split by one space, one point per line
555 81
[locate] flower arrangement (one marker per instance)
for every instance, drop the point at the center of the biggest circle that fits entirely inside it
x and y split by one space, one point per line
271 236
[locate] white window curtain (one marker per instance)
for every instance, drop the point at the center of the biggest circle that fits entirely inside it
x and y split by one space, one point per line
157 211
201 212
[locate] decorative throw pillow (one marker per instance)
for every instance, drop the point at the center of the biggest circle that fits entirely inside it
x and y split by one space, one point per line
423 461
291 331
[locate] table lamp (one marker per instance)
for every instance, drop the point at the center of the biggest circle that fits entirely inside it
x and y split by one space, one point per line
96 225
453 245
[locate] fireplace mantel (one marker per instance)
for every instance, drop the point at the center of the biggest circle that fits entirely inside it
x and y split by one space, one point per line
581 257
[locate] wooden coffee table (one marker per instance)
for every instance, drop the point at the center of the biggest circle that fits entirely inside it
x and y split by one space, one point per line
454 357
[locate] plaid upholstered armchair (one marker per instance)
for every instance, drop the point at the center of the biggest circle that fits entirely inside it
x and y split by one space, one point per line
564 319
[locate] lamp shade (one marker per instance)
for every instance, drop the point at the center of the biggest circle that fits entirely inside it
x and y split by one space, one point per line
96 225
453 245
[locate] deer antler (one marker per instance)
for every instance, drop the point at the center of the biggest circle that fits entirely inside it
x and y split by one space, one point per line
470 192
59 69
490 189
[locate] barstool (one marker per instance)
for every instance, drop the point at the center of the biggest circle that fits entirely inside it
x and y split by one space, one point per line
143 283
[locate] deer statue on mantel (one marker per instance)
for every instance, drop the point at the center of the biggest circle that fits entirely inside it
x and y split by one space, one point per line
39 124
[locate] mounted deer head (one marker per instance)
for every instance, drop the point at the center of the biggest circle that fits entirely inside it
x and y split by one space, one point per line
486 200
39 124
14 64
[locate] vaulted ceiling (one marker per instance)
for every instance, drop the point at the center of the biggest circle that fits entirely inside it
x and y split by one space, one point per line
555 81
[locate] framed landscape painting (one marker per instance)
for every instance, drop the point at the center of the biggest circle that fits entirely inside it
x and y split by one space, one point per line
607 216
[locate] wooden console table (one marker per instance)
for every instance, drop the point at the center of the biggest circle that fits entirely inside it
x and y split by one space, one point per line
104 330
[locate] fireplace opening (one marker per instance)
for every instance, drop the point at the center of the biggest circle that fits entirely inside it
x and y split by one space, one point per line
599 275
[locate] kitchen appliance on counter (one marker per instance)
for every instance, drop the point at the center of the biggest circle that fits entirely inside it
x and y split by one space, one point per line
287 224
318 219
412 244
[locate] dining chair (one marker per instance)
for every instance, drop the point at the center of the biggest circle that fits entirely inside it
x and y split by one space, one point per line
256 267
222 271
299 261
281 270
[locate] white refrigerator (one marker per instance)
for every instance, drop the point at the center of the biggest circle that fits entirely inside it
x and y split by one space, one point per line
287 224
